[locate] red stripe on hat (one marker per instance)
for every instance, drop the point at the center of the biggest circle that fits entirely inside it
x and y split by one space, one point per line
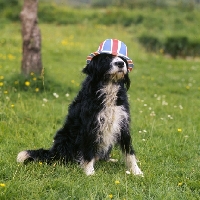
96 53
114 46
89 58
129 69
100 46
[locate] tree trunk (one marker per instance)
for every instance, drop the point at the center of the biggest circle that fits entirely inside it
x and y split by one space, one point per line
31 60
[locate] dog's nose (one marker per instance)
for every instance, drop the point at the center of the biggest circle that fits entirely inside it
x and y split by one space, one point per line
120 64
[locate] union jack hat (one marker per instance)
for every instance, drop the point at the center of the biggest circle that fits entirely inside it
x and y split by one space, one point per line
114 47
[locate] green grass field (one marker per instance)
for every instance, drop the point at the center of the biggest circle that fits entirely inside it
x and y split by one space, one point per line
165 107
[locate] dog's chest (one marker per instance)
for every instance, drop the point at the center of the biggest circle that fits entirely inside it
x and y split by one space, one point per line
110 117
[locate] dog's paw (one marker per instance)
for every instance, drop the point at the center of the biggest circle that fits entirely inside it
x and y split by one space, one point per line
88 167
112 160
89 172
137 171
22 156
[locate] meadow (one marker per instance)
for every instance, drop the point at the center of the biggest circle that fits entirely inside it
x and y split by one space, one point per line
165 104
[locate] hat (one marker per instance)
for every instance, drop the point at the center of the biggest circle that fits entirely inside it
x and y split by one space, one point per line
114 47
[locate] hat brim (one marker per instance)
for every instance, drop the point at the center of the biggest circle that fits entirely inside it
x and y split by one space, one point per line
129 61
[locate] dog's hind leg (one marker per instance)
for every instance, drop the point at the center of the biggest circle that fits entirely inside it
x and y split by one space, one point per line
35 155
23 156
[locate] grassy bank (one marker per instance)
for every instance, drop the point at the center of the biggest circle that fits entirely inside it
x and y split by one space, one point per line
168 30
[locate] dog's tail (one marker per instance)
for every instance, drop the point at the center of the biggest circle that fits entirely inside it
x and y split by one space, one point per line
40 155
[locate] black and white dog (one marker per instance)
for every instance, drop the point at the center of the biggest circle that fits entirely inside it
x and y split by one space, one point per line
97 119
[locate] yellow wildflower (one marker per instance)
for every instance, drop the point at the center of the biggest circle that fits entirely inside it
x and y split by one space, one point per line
2 185
64 42
179 129
5 92
1 84
37 89
40 163
110 196
16 82
27 83
180 184
32 73
117 182
34 78
11 57
1 77
72 81
12 105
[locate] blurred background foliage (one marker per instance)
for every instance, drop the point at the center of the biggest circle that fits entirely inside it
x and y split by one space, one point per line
162 26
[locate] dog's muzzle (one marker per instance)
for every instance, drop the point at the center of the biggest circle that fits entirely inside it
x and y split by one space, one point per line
118 69
119 64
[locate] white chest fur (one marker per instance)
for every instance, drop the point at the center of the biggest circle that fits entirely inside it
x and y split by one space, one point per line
110 117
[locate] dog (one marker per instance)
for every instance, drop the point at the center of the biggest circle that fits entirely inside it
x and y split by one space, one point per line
99 116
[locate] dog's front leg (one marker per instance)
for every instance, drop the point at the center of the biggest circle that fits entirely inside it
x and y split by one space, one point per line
132 164
129 153
88 167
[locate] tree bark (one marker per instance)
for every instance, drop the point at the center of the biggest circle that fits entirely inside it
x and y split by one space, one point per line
31 60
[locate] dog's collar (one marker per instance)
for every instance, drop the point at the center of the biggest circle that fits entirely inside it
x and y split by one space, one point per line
114 47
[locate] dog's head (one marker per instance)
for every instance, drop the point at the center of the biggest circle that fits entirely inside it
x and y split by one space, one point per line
108 68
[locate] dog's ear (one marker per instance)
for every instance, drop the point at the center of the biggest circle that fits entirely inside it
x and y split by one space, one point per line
88 69
98 65
127 81
91 67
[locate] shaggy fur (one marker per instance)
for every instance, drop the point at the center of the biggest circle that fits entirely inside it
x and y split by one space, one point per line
97 119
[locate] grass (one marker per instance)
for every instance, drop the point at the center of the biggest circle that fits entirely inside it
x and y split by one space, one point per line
164 99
